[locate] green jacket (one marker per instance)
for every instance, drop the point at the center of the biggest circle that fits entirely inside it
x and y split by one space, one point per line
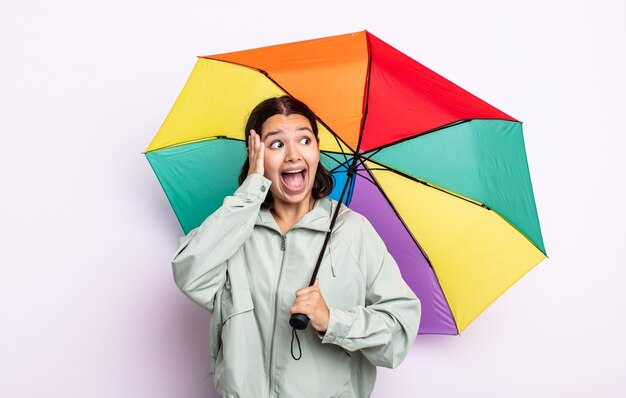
238 265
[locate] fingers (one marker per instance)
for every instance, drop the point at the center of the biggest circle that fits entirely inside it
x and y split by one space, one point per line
308 290
307 304
309 297
261 151
252 144
256 151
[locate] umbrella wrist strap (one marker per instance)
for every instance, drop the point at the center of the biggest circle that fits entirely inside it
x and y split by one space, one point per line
294 333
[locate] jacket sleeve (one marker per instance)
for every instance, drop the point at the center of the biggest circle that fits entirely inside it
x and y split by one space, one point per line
385 328
199 264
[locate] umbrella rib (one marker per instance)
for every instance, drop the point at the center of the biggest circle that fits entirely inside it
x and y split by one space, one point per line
340 142
419 134
366 158
339 145
469 200
379 168
428 184
333 159
336 171
266 74
216 137
382 192
366 94
375 182
366 178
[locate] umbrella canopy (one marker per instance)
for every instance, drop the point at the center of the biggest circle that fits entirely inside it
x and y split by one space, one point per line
441 175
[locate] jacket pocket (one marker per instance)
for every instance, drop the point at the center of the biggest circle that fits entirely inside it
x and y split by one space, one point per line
235 302
229 303
241 349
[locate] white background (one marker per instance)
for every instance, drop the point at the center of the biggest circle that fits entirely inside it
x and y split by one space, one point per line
88 305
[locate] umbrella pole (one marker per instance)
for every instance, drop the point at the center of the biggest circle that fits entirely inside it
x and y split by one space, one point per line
300 321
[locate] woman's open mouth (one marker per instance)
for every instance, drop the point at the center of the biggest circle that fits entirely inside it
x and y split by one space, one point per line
294 180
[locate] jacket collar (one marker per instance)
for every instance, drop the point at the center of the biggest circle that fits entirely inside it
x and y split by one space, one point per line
318 219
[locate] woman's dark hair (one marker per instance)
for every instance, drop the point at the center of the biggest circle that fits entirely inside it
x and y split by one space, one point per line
286 105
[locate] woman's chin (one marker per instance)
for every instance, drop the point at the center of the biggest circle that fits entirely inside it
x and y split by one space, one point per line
292 199
292 196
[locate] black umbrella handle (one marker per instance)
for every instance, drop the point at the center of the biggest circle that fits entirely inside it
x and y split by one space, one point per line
299 321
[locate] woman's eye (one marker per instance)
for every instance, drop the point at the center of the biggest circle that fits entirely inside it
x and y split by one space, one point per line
305 141
276 145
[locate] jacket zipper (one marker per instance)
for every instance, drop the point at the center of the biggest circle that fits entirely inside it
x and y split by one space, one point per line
283 248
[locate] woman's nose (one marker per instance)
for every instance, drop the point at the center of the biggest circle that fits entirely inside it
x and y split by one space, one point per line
292 155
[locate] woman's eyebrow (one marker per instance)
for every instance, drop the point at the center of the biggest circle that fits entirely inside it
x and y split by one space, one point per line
270 133
279 131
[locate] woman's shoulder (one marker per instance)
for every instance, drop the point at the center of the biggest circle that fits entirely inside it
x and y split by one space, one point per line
357 234
350 221
346 214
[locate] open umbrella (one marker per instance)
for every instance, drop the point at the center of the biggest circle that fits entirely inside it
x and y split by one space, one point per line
440 174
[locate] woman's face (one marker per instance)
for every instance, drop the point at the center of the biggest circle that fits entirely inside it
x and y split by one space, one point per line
291 157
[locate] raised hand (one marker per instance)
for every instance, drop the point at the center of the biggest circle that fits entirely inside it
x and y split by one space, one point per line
255 153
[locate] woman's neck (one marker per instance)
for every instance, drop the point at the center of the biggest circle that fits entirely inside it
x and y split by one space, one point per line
287 215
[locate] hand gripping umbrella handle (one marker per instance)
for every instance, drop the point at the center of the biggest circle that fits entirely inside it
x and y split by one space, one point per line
301 321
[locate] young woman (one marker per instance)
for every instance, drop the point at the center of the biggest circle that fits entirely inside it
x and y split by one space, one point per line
250 263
